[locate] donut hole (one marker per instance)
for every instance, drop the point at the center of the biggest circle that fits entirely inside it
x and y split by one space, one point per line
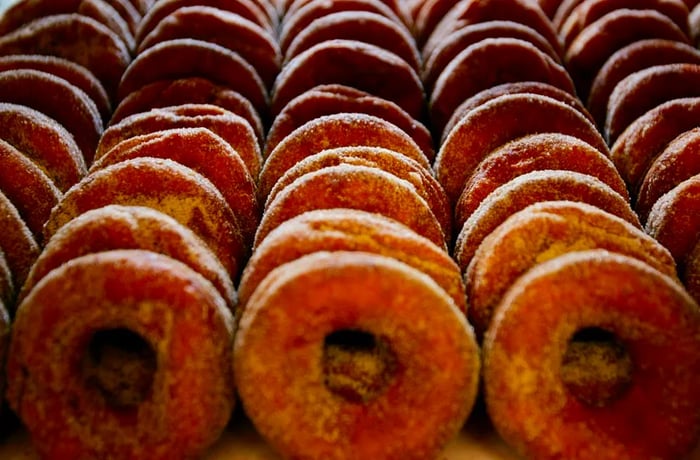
596 367
120 365
357 365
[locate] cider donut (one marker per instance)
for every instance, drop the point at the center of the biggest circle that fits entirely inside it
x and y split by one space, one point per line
17 242
332 99
230 30
548 151
354 187
550 230
163 185
501 120
331 131
630 59
537 376
488 63
206 153
351 63
350 230
387 160
45 142
79 371
530 188
345 390
129 227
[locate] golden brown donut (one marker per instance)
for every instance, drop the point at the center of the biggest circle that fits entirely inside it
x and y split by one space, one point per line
344 390
208 154
351 63
129 227
538 378
354 187
157 352
331 131
44 141
387 160
163 185
530 188
487 63
501 120
542 232
17 242
535 152
350 230
331 99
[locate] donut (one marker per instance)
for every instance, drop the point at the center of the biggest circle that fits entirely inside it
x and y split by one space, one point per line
332 99
397 7
185 91
17 243
184 57
78 371
45 142
550 229
106 14
547 151
676 163
163 185
638 145
350 230
331 131
563 378
501 120
632 58
344 390
57 99
351 63
7 288
387 160
129 227
230 30
76 38
364 26
229 126
204 152
530 188
487 63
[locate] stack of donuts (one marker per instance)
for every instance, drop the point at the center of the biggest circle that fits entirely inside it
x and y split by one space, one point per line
357 217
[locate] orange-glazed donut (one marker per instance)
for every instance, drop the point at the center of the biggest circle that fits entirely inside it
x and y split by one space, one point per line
350 230
156 353
204 152
531 188
595 355
17 242
358 374
129 227
331 99
501 120
331 131
166 186
533 153
542 232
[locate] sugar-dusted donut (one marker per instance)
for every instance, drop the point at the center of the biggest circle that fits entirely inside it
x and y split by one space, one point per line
387 160
17 243
572 358
349 62
156 352
365 368
533 153
531 188
550 229
44 141
487 63
350 230
332 99
501 120
166 186
331 131
230 30
208 154
129 227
